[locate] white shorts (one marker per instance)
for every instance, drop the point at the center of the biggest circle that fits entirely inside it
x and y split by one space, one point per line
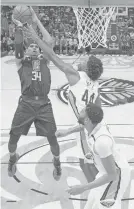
95 196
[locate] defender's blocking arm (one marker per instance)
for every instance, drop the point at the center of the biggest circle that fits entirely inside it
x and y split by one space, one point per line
71 74
46 35
74 129
65 132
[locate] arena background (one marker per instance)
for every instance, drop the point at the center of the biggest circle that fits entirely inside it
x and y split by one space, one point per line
33 186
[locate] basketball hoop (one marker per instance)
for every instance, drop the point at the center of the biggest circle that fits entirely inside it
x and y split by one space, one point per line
92 25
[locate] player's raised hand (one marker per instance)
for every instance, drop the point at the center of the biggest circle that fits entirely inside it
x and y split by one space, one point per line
17 22
34 16
61 133
29 31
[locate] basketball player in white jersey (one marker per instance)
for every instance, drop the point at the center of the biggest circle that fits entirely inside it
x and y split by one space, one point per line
107 190
83 84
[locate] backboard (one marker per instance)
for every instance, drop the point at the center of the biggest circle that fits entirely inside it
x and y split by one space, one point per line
81 3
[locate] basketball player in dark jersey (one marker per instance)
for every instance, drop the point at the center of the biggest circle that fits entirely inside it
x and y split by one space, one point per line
34 105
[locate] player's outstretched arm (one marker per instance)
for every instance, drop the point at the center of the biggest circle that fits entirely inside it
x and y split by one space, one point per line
19 51
103 148
74 129
71 74
66 132
46 35
111 174
98 100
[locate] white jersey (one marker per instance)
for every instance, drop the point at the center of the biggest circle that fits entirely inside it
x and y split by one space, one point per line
80 94
83 92
102 145
109 195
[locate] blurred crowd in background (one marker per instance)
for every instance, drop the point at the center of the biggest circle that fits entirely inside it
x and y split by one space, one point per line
62 25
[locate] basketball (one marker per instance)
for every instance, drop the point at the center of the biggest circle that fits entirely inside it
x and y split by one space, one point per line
23 14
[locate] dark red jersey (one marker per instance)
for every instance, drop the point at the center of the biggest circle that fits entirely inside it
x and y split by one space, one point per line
35 77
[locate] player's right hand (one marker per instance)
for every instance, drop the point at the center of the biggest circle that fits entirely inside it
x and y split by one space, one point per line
61 133
17 22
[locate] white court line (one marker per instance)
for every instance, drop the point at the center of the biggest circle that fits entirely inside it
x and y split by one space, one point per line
4 151
33 156
50 205
8 195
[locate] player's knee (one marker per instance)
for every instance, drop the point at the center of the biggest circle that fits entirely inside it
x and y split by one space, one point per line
12 144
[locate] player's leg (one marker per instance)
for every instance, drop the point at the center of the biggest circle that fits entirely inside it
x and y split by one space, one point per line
12 147
21 123
110 195
125 179
94 198
55 149
89 170
46 126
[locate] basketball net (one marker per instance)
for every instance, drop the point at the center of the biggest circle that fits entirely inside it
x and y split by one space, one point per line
92 25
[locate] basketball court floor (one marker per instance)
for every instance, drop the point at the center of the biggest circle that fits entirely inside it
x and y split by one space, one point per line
33 186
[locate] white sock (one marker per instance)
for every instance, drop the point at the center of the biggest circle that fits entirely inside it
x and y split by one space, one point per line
12 154
56 157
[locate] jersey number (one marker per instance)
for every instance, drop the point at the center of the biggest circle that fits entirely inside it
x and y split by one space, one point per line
36 75
85 97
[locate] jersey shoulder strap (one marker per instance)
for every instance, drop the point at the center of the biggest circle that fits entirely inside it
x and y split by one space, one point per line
80 82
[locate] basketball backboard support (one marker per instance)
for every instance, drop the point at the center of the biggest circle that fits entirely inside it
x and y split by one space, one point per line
80 3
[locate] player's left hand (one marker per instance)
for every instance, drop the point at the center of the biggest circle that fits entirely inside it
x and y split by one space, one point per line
76 190
17 22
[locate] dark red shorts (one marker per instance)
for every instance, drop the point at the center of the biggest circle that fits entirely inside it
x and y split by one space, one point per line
30 112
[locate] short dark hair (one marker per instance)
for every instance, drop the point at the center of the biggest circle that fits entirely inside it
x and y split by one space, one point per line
94 68
94 112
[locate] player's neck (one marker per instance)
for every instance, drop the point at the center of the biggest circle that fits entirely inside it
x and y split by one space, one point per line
32 56
90 127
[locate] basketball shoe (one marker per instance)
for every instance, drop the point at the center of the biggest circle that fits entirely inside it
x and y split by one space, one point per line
57 169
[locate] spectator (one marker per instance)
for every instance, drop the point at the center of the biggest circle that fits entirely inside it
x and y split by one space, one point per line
132 35
4 44
75 44
70 40
63 45
11 29
128 43
57 45
10 44
61 24
130 22
2 34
